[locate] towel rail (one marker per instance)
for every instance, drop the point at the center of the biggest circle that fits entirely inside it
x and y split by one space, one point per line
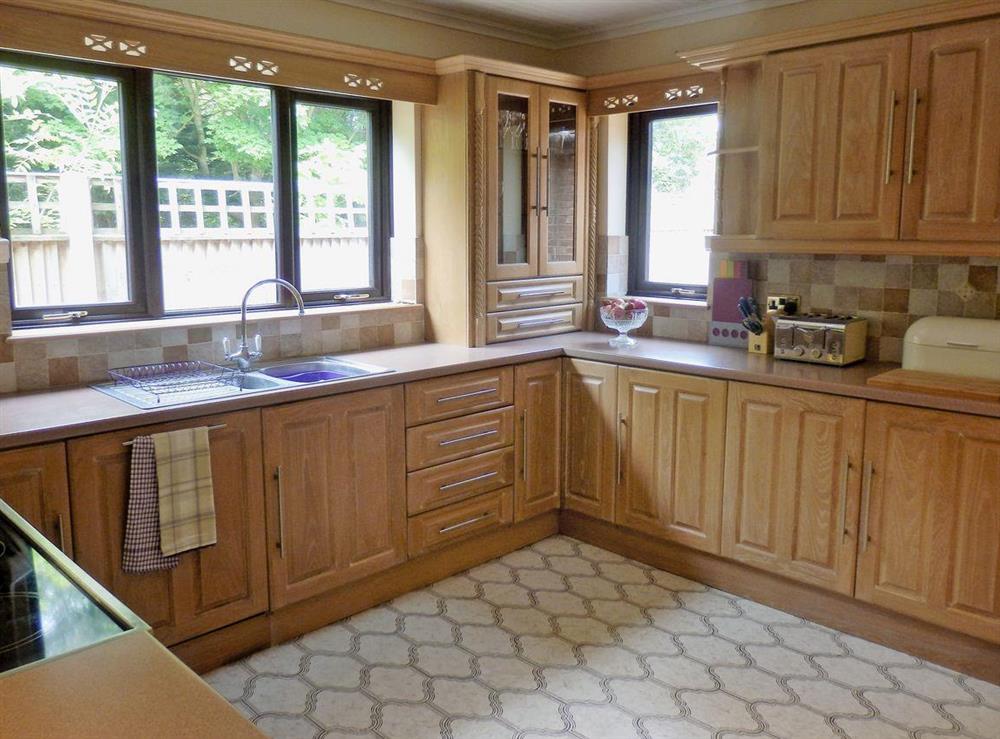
210 428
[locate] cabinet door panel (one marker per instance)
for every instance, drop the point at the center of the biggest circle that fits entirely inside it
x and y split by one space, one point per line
793 483
563 126
590 436
33 482
954 189
674 431
212 586
832 142
932 519
538 406
337 508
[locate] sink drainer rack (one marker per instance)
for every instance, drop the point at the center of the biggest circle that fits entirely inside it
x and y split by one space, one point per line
169 378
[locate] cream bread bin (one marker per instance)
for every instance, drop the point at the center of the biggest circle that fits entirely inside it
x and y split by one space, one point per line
955 346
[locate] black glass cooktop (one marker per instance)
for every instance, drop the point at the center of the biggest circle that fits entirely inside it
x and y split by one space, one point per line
42 612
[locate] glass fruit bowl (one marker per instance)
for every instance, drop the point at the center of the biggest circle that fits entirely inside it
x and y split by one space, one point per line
623 315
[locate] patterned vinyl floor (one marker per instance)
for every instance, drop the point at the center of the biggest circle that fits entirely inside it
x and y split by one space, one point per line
563 639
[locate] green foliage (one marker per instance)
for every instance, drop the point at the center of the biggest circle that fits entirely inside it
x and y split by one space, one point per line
679 146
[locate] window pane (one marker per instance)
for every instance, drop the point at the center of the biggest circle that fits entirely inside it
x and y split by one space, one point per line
334 183
681 198
215 172
63 159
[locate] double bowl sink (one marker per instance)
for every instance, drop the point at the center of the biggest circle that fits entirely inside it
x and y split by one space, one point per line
306 372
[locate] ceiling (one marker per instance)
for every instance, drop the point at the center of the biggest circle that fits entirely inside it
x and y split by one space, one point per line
562 23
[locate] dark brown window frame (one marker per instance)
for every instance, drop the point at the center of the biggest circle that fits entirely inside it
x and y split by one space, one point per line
637 204
141 209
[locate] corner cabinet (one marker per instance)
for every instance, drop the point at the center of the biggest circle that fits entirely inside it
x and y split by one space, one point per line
506 192
335 473
590 437
213 586
930 517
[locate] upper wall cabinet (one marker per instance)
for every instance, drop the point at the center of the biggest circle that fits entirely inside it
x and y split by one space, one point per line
505 183
952 169
832 144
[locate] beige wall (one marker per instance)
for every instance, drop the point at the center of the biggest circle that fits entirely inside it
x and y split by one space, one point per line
350 25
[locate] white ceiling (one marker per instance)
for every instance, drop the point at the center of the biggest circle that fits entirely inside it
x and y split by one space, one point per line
562 23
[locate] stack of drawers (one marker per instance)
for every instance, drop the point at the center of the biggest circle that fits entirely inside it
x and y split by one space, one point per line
520 309
459 456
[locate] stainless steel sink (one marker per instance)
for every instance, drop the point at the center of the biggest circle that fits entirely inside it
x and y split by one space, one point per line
255 381
324 369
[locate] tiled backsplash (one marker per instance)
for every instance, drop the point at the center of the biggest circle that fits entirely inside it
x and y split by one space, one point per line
29 364
891 292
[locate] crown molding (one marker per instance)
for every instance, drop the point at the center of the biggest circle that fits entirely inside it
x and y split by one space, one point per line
518 33
468 62
714 57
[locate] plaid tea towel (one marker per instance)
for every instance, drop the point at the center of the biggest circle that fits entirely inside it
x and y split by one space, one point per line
187 500
141 552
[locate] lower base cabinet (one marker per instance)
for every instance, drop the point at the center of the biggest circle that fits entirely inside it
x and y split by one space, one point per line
213 586
336 491
672 443
459 521
930 518
33 482
590 437
793 483
537 444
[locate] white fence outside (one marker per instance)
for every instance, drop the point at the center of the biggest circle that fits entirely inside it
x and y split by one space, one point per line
216 236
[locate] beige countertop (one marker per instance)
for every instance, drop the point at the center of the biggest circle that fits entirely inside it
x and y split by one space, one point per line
129 686
31 418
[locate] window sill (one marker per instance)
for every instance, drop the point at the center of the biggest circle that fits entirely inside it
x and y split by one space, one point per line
673 301
74 331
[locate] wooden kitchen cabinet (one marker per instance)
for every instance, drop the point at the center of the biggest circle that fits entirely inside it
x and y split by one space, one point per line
930 518
952 189
213 586
672 440
590 437
336 491
538 409
33 482
793 482
832 140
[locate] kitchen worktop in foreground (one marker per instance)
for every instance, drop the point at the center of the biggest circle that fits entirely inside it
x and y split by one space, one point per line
30 418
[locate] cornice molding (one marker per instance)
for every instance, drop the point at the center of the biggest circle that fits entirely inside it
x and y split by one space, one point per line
713 57
468 62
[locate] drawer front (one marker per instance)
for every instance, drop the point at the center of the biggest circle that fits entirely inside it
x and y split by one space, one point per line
454 481
533 293
444 441
447 397
523 324
451 524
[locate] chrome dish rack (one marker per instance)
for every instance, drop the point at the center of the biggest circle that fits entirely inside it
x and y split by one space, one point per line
173 378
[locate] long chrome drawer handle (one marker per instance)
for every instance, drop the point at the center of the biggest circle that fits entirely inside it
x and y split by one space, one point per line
281 513
470 437
473 394
540 322
462 525
540 293
484 476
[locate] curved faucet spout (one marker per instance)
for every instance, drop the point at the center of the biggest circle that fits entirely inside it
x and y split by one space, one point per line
244 356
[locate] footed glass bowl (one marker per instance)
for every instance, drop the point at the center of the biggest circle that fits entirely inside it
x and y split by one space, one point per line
623 323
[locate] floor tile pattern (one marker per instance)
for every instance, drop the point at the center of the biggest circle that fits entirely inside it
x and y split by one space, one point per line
563 639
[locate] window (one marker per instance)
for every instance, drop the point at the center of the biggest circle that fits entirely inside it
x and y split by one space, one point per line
131 193
671 200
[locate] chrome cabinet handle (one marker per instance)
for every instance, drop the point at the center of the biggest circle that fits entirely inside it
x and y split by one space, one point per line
622 429
61 533
888 138
215 427
842 518
470 437
914 100
477 478
866 493
524 445
540 293
462 396
462 525
281 513
545 159
539 322
538 181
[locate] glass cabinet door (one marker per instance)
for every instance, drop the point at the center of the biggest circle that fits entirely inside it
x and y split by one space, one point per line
563 190
513 178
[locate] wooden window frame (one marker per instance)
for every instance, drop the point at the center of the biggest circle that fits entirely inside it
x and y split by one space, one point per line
141 209
638 201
